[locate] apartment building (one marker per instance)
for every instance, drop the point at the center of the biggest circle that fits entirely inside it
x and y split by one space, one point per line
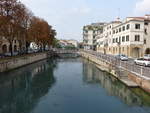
104 39
90 32
130 37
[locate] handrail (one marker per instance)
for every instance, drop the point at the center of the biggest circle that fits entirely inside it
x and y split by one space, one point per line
131 67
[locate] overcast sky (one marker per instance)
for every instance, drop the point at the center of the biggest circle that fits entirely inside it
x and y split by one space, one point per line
69 16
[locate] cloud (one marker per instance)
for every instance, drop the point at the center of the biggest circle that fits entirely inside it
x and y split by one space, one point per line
142 7
66 16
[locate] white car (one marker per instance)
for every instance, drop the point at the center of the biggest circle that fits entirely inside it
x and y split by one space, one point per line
122 57
142 61
147 56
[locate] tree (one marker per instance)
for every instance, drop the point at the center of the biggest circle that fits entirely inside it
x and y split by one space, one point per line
23 18
11 14
41 32
18 23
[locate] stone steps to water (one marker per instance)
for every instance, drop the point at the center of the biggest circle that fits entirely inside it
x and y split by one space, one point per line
129 82
123 77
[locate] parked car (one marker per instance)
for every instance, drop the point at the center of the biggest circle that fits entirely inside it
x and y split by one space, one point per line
2 55
142 61
122 57
147 56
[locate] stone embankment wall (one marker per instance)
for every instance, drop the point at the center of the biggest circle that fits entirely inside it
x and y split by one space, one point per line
141 81
16 62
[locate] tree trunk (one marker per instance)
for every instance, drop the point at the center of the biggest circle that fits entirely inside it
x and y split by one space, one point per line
27 46
44 47
11 49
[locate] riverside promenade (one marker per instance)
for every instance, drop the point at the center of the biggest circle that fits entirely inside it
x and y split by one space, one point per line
129 73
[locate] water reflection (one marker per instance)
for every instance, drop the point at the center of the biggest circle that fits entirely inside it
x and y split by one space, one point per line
132 97
21 89
34 89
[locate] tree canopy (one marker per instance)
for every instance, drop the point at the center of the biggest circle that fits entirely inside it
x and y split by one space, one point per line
18 22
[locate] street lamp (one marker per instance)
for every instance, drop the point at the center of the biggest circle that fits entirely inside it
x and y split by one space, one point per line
119 43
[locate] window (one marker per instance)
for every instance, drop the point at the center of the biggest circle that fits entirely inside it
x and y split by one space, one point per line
123 28
116 40
127 38
144 41
146 23
137 37
145 31
137 26
119 39
113 40
119 29
128 27
113 31
123 39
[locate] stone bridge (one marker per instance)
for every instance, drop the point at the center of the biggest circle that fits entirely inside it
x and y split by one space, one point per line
62 53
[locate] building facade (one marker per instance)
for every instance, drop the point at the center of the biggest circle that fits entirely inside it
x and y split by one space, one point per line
66 43
90 32
5 46
130 37
73 42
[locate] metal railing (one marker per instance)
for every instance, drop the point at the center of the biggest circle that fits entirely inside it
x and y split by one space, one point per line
117 63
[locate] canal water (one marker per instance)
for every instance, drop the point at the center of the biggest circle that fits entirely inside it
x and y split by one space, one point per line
67 86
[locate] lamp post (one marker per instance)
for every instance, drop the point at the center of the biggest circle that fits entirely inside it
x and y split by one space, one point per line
119 43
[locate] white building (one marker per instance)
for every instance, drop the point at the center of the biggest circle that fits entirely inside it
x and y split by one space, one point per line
130 37
73 42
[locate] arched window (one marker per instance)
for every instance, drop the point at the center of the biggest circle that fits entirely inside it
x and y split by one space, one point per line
4 48
147 51
15 48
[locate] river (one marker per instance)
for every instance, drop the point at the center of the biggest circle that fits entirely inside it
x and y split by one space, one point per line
67 86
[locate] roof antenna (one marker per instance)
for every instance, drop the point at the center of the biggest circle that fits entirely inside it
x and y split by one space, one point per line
118 18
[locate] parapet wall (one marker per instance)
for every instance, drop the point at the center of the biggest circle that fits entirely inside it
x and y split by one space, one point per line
141 81
12 63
